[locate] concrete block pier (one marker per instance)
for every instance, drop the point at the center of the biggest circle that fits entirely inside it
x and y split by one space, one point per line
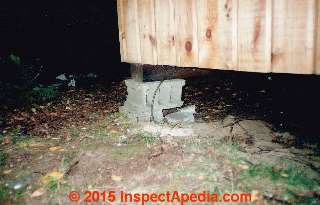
146 100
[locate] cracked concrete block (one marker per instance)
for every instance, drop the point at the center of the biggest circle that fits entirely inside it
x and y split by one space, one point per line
142 97
135 115
136 108
184 115
137 98
165 93
176 91
158 115
190 108
151 94
179 118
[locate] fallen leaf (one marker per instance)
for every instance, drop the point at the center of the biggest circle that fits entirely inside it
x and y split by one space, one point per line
35 144
23 145
56 149
52 175
7 171
32 144
284 175
114 131
116 178
243 166
6 141
38 192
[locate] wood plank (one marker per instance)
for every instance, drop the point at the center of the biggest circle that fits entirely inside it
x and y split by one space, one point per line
130 31
293 36
121 25
235 15
187 34
317 46
268 38
252 35
215 21
165 29
148 40
246 35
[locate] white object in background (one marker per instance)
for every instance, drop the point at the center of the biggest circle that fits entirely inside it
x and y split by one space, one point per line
62 77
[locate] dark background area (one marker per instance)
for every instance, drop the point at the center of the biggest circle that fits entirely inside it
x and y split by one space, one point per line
66 37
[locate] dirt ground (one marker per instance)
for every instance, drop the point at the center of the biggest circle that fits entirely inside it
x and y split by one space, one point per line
80 142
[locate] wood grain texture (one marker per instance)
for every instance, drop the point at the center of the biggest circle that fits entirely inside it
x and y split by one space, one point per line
280 36
147 31
235 13
186 32
317 46
252 35
215 19
121 25
165 29
268 36
130 31
293 36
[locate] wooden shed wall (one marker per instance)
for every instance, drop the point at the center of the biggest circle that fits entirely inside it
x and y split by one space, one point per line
247 35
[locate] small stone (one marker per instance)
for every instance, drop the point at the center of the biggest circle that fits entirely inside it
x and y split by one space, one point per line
229 121
243 166
6 172
116 178
38 192
62 77
180 117
52 176
184 115
56 149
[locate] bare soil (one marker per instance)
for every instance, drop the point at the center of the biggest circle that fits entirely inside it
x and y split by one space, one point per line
83 137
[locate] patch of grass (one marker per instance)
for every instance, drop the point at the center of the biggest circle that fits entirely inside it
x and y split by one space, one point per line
127 151
306 201
292 176
120 119
112 116
263 170
4 192
53 185
231 152
3 158
2 122
75 132
16 136
115 134
301 200
53 182
147 137
20 194
7 194
44 93
297 177
295 183
66 160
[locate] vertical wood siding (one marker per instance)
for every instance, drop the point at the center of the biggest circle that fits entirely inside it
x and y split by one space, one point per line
247 35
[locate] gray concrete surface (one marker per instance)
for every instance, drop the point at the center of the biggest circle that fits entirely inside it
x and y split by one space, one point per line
183 115
142 96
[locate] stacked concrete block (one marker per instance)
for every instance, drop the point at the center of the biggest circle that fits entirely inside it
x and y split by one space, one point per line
146 97
184 115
